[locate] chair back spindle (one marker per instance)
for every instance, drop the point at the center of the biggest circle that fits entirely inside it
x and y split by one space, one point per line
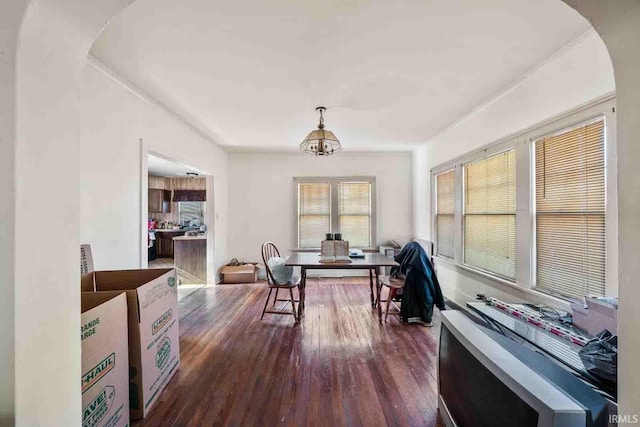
269 250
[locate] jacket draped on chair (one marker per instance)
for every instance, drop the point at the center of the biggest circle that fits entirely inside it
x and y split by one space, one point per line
421 288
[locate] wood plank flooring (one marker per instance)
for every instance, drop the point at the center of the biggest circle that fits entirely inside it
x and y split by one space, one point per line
338 367
161 263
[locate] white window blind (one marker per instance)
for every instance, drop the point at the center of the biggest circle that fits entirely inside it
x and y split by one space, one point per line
354 213
445 213
570 212
191 211
490 214
314 213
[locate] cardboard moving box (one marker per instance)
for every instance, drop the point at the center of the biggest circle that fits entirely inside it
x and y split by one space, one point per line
246 273
105 360
154 348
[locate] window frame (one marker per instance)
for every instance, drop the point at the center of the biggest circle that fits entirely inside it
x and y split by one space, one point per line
524 144
334 182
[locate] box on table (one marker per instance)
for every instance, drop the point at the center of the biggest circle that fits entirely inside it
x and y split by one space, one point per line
247 273
105 359
154 348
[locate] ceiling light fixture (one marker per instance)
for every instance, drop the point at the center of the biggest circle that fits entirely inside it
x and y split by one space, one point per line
321 142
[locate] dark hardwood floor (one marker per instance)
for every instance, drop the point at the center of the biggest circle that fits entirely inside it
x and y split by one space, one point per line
339 366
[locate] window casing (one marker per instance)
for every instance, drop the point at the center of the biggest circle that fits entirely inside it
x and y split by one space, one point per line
527 216
335 205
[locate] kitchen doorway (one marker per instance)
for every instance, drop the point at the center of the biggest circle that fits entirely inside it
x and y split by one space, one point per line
177 220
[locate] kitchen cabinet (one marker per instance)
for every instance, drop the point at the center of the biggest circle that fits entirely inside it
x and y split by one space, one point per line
159 201
164 242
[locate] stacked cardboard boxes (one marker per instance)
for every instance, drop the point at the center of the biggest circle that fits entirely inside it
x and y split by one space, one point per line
152 313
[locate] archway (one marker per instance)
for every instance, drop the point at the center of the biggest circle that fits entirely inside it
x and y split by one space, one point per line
43 51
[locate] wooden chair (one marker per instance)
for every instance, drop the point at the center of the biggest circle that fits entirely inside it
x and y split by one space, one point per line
269 250
394 286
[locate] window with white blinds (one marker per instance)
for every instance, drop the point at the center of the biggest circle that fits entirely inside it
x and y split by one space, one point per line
354 213
445 213
314 213
490 214
336 205
191 212
570 211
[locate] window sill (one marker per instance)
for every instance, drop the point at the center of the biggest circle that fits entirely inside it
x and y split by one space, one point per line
492 280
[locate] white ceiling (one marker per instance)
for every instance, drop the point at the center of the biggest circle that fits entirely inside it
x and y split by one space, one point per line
161 167
391 73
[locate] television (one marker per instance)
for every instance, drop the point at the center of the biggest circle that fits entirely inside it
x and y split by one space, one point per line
486 379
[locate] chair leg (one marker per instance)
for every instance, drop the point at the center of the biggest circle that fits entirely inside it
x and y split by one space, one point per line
276 298
266 303
389 297
293 305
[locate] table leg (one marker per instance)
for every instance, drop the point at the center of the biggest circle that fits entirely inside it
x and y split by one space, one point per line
373 300
303 291
379 296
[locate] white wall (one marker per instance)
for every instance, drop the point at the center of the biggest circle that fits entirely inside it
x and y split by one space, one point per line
10 18
617 23
55 36
576 75
262 197
114 120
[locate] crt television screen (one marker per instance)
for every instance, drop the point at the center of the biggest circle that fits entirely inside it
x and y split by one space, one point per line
473 395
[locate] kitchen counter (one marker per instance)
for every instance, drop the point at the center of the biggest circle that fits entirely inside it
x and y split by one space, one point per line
198 237
168 230
190 258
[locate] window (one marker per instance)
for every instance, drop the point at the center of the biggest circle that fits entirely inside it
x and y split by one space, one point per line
570 211
490 214
191 212
445 213
535 210
314 213
354 213
338 205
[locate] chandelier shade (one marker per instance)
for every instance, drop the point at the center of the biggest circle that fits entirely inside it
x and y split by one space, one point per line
321 142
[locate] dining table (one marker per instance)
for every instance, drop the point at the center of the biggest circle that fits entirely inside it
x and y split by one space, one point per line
371 261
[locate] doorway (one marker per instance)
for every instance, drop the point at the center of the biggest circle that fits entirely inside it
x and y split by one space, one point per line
177 220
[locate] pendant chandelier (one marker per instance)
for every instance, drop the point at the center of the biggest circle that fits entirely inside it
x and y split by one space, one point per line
321 142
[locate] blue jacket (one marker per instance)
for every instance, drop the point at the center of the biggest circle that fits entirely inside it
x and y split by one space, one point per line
421 287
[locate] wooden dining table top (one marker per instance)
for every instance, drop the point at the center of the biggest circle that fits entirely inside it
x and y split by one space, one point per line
312 260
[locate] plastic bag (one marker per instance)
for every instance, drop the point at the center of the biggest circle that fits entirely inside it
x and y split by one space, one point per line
600 357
